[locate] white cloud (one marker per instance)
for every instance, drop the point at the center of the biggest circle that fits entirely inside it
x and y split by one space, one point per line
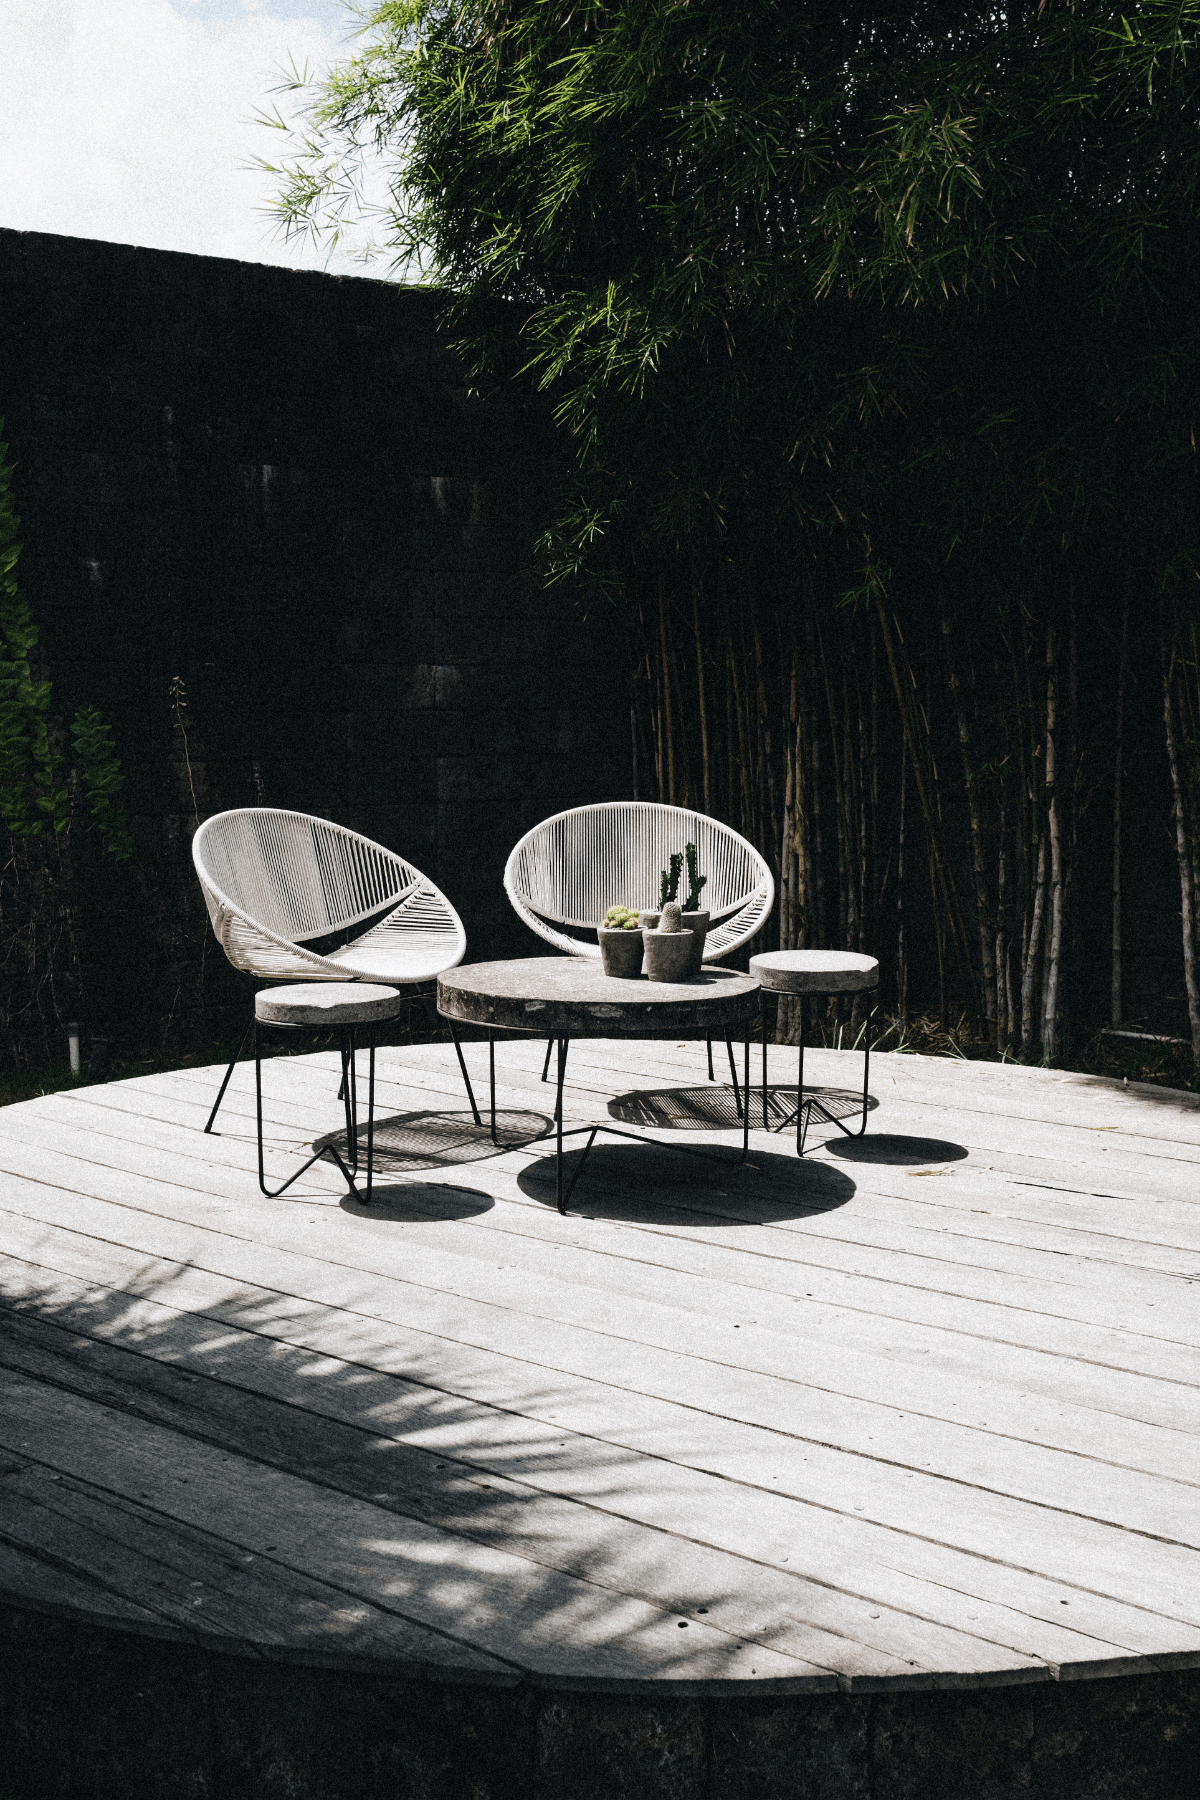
133 120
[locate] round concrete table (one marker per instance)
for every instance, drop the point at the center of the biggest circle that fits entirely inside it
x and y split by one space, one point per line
561 997
807 972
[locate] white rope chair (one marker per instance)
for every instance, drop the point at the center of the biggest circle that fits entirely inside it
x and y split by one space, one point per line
570 869
273 881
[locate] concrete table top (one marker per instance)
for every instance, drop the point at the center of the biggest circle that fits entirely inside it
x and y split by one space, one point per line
567 996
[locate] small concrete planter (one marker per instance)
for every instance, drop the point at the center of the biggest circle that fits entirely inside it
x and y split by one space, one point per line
620 952
697 924
649 920
668 955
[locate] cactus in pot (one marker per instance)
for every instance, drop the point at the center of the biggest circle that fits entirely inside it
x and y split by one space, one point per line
669 946
620 943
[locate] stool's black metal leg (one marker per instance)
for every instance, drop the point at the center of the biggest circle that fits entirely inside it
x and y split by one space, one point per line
737 1097
801 1122
711 1076
866 1070
764 1051
492 1078
371 1118
463 1066
866 1098
546 1064
229 1071
351 1121
262 1176
560 1198
746 1108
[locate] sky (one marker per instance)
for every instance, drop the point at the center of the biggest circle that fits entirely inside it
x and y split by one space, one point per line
133 120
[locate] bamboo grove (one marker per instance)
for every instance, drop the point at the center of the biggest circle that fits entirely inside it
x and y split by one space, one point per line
870 336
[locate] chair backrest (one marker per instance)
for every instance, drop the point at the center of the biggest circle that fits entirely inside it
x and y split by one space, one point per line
570 869
296 875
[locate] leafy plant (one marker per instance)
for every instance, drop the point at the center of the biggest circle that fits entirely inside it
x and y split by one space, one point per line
33 792
29 772
100 773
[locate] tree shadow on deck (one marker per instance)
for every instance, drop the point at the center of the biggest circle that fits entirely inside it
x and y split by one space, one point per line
323 1482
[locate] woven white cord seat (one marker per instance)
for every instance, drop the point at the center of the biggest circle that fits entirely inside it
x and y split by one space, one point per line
274 880
570 869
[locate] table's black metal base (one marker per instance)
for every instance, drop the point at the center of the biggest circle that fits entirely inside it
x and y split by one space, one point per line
806 1108
737 1095
635 1137
348 1094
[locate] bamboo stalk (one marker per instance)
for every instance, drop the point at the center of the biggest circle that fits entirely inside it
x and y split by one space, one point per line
983 905
705 774
743 756
1054 810
668 722
901 953
1003 971
1118 777
1183 854
945 881
1031 968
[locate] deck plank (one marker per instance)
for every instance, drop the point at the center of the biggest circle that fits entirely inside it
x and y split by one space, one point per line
898 1430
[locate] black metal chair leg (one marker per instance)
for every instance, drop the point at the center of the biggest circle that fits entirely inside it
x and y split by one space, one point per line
711 1076
463 1066
492 1079
546 1064
229 1071
562 1043
348 1094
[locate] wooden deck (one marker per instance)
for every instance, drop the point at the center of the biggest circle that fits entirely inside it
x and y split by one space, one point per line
918 1412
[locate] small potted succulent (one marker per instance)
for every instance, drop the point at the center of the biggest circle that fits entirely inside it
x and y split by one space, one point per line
620 942
694 920
668 946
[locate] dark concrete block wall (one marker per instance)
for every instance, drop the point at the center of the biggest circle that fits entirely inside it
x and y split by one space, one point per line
280 488
88 1712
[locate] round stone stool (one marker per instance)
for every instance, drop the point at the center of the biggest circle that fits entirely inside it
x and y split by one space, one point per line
344 1007
815 972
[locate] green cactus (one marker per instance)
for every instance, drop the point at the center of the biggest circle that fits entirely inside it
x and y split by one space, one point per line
672 917
669 884
696 881
620 918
